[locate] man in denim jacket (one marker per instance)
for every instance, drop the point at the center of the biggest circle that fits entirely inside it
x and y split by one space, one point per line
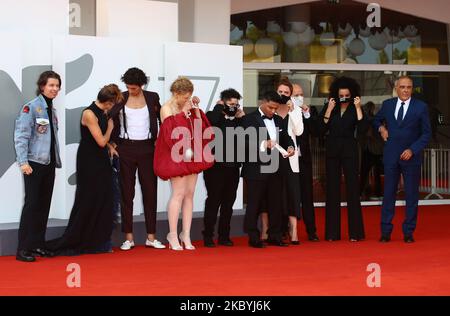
37 150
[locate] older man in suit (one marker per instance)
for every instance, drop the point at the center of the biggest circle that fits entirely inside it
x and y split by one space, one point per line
406 131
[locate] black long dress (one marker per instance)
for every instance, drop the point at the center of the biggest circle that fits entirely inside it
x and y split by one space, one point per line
91 220
291 195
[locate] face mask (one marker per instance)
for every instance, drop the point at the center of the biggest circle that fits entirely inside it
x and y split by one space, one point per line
284 99
298 101
230 110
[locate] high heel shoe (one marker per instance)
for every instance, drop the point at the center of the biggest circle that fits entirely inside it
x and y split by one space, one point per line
186 242
173 242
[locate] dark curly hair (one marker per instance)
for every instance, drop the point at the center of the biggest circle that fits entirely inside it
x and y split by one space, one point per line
134 76
229 94
344 83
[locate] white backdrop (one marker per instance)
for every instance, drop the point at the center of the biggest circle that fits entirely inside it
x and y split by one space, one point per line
86 64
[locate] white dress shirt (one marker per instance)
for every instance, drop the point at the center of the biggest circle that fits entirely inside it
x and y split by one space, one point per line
271 129
405 107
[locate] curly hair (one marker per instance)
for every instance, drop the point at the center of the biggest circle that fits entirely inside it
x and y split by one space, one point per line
134 76
344 83
229 94
182 85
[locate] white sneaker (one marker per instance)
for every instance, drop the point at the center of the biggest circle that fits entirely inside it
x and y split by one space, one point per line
155 244
127 245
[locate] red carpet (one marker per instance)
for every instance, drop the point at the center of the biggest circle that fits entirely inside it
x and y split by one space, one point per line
322 268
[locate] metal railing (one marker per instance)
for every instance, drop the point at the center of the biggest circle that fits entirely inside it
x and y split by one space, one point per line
435 171
435 174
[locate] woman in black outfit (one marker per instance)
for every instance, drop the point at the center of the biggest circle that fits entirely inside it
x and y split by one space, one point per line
339 120
91 221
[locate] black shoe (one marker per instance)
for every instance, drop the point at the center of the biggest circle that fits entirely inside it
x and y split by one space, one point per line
313 238
385 238
295 242
256 244
39 252
278 243
209 242
25 256
409 239
226 242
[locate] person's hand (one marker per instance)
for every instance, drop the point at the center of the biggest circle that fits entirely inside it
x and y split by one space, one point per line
384 133
406 155
331 104
240 113
112 151
26 169
305 108
357 102
270 144
290 105
290 151
195 101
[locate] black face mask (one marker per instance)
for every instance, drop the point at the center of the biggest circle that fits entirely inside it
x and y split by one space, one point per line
230 110
284 99
344 100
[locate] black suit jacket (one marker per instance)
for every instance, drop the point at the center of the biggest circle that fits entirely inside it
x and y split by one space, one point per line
341 131
252 169
153 105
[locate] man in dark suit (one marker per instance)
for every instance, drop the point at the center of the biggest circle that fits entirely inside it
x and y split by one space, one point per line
406 134
306 175
262 173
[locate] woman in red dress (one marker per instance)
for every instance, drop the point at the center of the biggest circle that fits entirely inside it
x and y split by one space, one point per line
181 153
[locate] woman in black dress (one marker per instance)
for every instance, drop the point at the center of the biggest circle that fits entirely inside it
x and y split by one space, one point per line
340 119
91 221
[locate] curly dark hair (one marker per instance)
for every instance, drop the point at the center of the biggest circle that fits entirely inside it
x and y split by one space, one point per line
229 94
134 76
344 83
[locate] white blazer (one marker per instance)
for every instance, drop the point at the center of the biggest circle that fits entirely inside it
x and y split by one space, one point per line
295 128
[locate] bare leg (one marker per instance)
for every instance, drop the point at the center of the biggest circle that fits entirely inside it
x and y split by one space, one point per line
293 228
178 185
129 236
265 225
187 209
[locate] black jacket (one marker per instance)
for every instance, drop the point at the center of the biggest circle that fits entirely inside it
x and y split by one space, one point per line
254 121
218 121
341 132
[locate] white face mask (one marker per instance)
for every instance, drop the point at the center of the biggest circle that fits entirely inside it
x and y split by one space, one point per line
298 101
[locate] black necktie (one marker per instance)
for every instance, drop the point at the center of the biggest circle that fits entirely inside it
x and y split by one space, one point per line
400 114
266 117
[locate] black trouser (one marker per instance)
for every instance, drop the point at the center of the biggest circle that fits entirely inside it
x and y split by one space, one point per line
221 185
38 197
138 155
334 166
257 190
306 186
368 162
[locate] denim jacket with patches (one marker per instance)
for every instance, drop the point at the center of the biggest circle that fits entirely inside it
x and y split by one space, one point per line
32 138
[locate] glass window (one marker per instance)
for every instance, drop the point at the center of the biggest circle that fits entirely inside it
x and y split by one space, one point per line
330 32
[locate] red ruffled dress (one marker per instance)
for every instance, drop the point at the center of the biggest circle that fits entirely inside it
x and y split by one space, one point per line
182 146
